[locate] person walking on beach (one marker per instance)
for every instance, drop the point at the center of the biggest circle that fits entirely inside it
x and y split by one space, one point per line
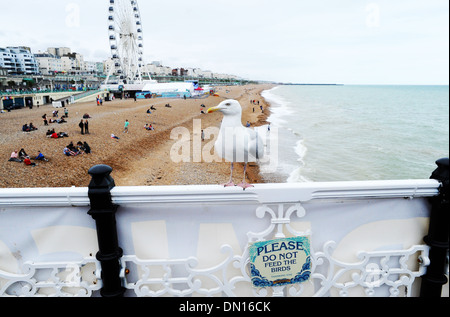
81 125
45 119
125 128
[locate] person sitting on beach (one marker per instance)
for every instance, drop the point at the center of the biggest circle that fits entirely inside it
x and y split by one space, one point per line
148 127
32 127
50 132
86 116
15 157
152 108
87 148
25 128
22 154
72 147
80 147
28 162
68 152
41 157
59 135
55 114
148 111
60 121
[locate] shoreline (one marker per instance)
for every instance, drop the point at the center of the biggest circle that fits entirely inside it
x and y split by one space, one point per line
139 158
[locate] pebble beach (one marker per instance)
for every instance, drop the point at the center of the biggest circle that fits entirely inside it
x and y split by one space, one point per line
138 158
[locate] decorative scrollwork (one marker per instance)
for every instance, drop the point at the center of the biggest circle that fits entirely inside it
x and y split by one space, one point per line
52 280
327 275
376 270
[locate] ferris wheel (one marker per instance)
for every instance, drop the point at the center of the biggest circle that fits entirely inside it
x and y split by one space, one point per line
126 41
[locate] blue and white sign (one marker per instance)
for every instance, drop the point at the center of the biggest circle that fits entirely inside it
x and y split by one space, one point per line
280 262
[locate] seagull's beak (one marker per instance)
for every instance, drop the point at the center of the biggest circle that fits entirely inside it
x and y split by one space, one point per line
211 110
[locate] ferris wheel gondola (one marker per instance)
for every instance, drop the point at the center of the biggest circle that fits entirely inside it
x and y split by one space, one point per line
126 41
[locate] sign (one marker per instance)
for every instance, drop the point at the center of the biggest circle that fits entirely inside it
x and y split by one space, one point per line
280 262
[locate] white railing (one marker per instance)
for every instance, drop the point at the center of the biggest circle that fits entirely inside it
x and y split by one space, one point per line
366 238
263 193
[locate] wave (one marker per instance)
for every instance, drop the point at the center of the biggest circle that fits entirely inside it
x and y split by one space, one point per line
296 176
291 147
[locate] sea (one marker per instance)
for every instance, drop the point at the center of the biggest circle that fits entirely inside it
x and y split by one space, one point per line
328 133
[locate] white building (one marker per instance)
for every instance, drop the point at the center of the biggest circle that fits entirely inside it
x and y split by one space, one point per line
59 51
48 63
57 60
158 69
7 61
18 60
206 74
90 67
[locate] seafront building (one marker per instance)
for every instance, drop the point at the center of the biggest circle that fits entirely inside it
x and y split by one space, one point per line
32 79
63 60
18 61
49 63
57 61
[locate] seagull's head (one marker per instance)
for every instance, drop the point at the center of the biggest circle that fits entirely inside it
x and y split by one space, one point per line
228 107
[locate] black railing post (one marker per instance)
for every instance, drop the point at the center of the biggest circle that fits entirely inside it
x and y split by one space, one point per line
437 237
104 213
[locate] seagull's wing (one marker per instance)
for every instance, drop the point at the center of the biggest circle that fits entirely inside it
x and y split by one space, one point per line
256 145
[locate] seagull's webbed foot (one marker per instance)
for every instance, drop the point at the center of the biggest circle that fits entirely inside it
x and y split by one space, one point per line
229 184
245 185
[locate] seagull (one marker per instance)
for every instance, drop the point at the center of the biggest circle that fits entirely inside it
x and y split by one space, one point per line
236 143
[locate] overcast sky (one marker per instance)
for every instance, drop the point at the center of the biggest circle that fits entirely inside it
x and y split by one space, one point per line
320 41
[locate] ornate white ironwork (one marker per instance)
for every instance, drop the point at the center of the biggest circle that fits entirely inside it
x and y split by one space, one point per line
278 209
375 270
75 279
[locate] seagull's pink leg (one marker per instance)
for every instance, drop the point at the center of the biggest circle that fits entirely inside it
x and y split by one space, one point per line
244 184
230 183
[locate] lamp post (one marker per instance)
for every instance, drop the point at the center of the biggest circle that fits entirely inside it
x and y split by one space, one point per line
103 211
437 237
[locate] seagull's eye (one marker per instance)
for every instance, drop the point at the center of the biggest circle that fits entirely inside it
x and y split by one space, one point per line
228 104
